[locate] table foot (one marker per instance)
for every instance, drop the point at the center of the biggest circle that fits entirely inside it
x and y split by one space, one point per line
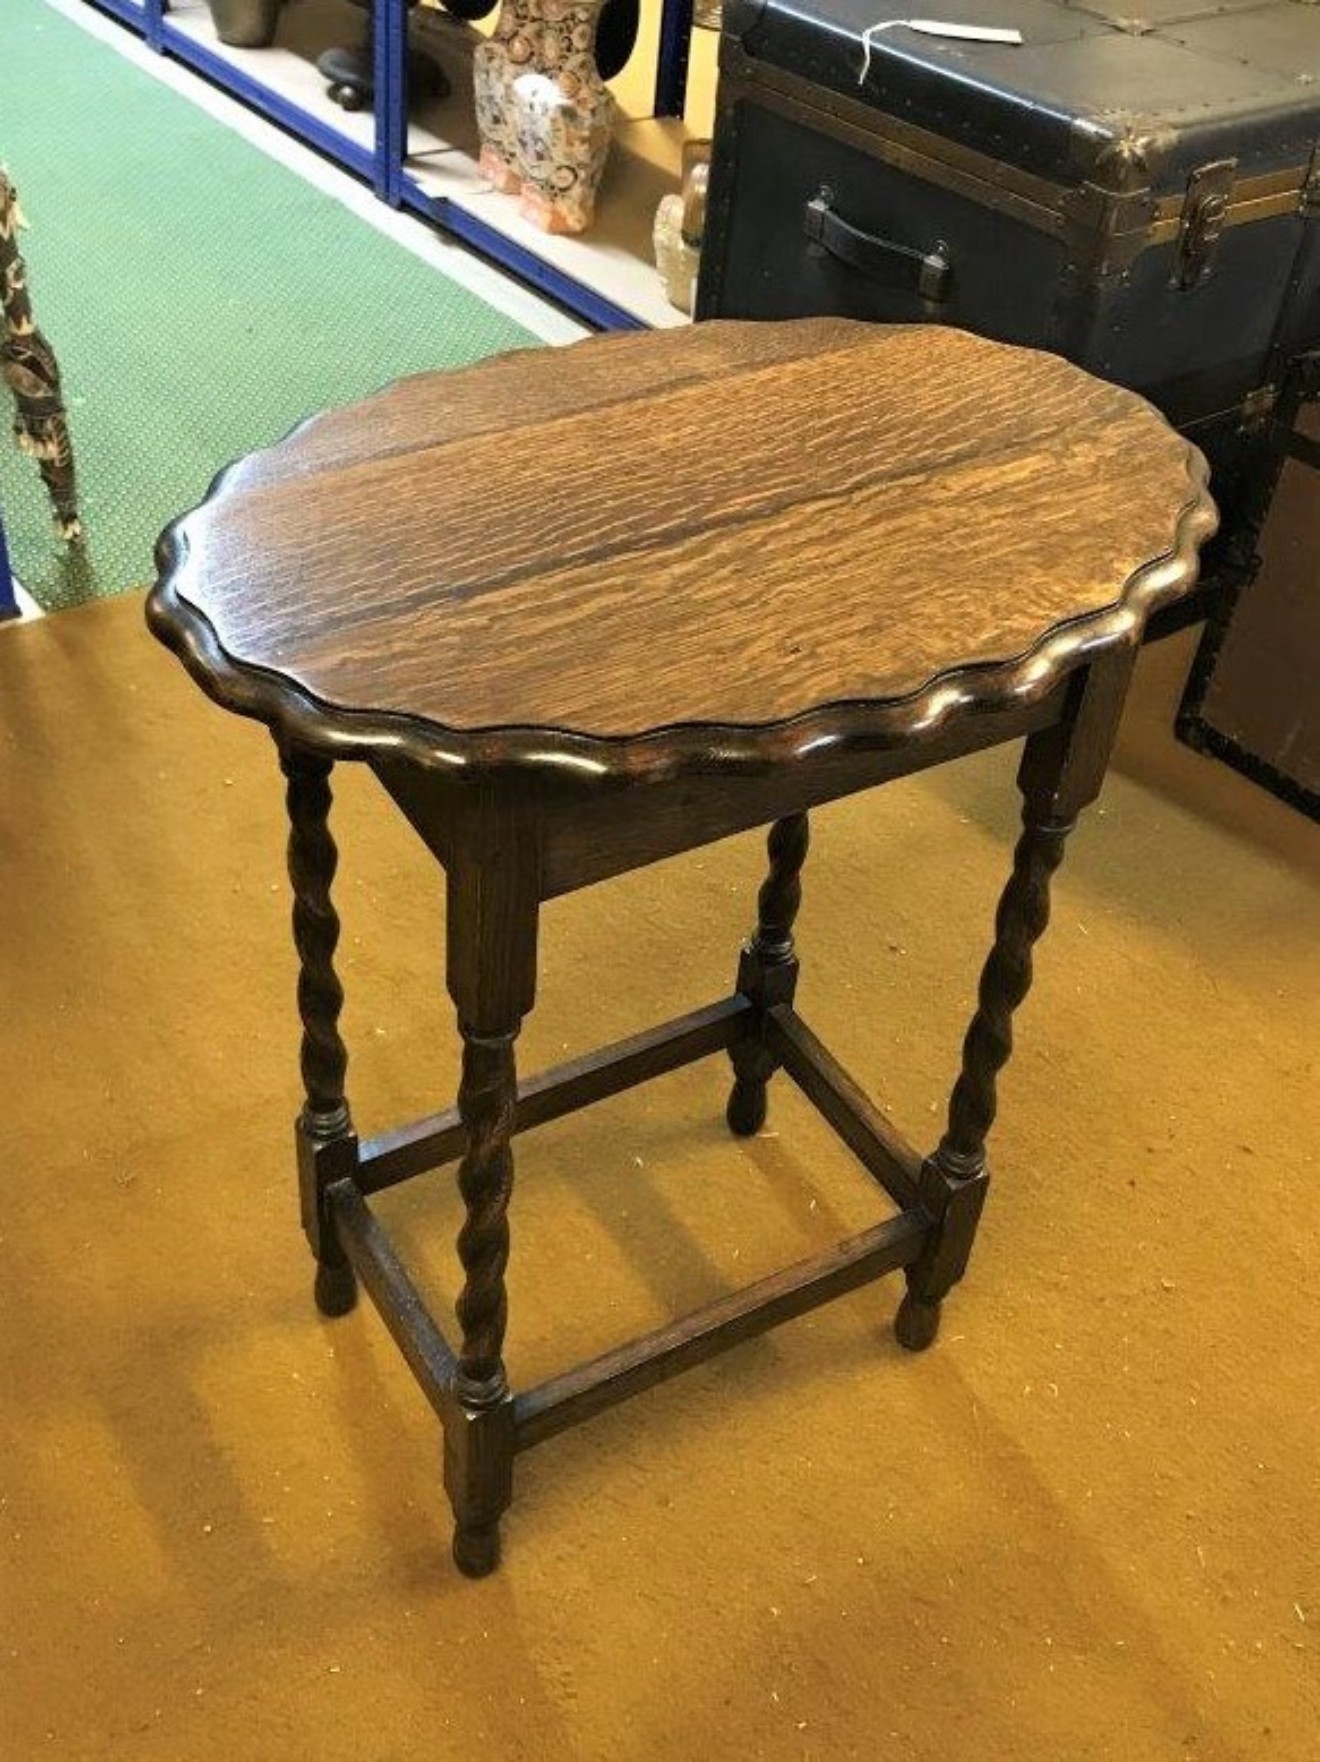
748 1106
479 1451
335 1289
917 1323
477 1549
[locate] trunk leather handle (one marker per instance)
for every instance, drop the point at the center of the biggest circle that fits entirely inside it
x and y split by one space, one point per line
925 273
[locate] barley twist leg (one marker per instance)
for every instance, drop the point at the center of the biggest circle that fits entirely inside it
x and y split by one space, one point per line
953 1180
326 1142
477 1440
486 1100
768 969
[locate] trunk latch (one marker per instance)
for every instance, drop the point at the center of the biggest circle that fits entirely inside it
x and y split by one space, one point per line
1204 211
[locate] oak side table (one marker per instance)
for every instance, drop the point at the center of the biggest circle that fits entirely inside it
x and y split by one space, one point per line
580 609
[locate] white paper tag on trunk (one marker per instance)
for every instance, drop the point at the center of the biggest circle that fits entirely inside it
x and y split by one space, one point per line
933 27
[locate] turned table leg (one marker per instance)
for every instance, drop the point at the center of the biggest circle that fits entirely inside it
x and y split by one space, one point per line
491 968
326 1142
953 1180
478 1445
1061 772
768 969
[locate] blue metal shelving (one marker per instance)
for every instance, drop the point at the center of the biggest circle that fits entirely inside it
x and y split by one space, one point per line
8 600
383 165
130 12
671 67
585 302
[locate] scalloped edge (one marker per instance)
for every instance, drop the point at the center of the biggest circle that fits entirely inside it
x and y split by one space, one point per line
297 716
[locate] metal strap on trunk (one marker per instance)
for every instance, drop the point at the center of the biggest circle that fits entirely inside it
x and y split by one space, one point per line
1105 227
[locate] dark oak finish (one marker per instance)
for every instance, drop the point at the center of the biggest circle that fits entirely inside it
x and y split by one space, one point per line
590 1388
841 1100
411 1150
705 514
326 1142
583 609
368 1249
768 970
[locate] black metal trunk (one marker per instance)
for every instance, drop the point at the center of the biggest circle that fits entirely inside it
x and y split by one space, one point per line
1140 195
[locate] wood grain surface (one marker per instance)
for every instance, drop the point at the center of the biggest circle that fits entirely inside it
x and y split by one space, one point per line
731 525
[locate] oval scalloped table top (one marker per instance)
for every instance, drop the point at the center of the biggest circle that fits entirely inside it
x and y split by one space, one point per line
727 526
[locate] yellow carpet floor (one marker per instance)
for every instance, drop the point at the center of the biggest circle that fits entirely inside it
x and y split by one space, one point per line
1085 1525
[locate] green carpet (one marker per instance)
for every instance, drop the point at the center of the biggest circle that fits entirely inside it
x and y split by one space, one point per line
201 298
